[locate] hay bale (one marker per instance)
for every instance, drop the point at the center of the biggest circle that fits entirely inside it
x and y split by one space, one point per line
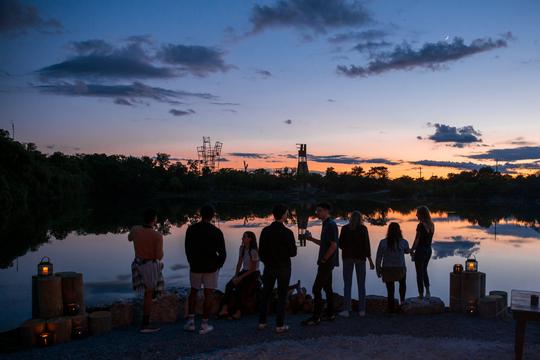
47 297
491 306
61 328
29 331
100 322
121 314
503 294
165 308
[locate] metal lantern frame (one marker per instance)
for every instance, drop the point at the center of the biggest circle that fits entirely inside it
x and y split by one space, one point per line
45 267
474 264
458 269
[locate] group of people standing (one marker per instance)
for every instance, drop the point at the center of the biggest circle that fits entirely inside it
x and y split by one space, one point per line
206 254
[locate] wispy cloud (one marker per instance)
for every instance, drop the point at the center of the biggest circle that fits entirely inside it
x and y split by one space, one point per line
263 73
131 93
432 56
17 18
358 36
250 155
316 15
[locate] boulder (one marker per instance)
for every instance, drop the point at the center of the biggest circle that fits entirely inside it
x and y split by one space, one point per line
416 306
217 296
376 304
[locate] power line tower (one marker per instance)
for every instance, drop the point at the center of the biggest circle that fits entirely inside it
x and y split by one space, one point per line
420 171
302 168
209 155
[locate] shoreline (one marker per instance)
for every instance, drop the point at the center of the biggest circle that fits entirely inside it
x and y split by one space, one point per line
174 343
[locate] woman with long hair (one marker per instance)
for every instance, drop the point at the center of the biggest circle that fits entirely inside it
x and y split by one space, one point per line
390 263
421 249
247 273
355 249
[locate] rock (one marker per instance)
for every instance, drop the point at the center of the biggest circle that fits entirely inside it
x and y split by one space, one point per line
165 308
416 306
376 304
296 303
122 314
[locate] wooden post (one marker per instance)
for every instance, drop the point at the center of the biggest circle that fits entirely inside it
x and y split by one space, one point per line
46 296
72 289
29 331
473 287
99 322
455 292
61 328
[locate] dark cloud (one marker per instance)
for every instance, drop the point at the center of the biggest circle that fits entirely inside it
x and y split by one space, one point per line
186 112
132 92
360 36
231 111
316 15
98 59
345 159
250 155
195 59
513 154
520 141
380 161
17 18
431 56
454 135
263 73
288 122
331 100
122 101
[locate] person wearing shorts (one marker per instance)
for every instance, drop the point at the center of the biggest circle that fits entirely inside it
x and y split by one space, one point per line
205 251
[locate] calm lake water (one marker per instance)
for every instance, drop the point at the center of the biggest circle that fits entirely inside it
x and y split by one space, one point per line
507 249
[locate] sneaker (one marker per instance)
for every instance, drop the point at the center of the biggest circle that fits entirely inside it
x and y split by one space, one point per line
205 329
330 317
190 326
282 329
345 313
147 329
362 313
311 321
261 327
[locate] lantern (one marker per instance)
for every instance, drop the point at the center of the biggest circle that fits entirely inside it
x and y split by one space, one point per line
471 309
72 309
458 268
471 265
45 339
45 267
77 332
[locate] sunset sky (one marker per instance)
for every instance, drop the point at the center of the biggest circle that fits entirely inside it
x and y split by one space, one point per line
444 85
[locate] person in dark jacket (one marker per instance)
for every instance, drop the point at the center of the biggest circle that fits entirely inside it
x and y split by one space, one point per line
276 247
328 259
422 249
205 251
355 249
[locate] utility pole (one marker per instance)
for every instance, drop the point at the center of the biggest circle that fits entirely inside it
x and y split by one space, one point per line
12 130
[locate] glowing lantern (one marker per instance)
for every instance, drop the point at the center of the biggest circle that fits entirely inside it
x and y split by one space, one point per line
458 268
471 265
72 309
472 308
45 267
45 339
78 332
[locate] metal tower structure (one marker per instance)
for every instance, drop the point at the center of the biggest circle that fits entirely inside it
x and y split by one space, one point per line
209 155
302 168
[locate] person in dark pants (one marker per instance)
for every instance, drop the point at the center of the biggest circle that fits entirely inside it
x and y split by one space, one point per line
247 275
326 261
205 251
390 263
421 250
276 247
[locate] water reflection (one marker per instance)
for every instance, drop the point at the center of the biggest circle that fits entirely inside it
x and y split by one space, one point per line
94 242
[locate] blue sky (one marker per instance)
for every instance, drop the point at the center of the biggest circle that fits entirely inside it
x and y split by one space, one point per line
440 81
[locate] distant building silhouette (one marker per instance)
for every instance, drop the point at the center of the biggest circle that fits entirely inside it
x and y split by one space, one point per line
302 160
